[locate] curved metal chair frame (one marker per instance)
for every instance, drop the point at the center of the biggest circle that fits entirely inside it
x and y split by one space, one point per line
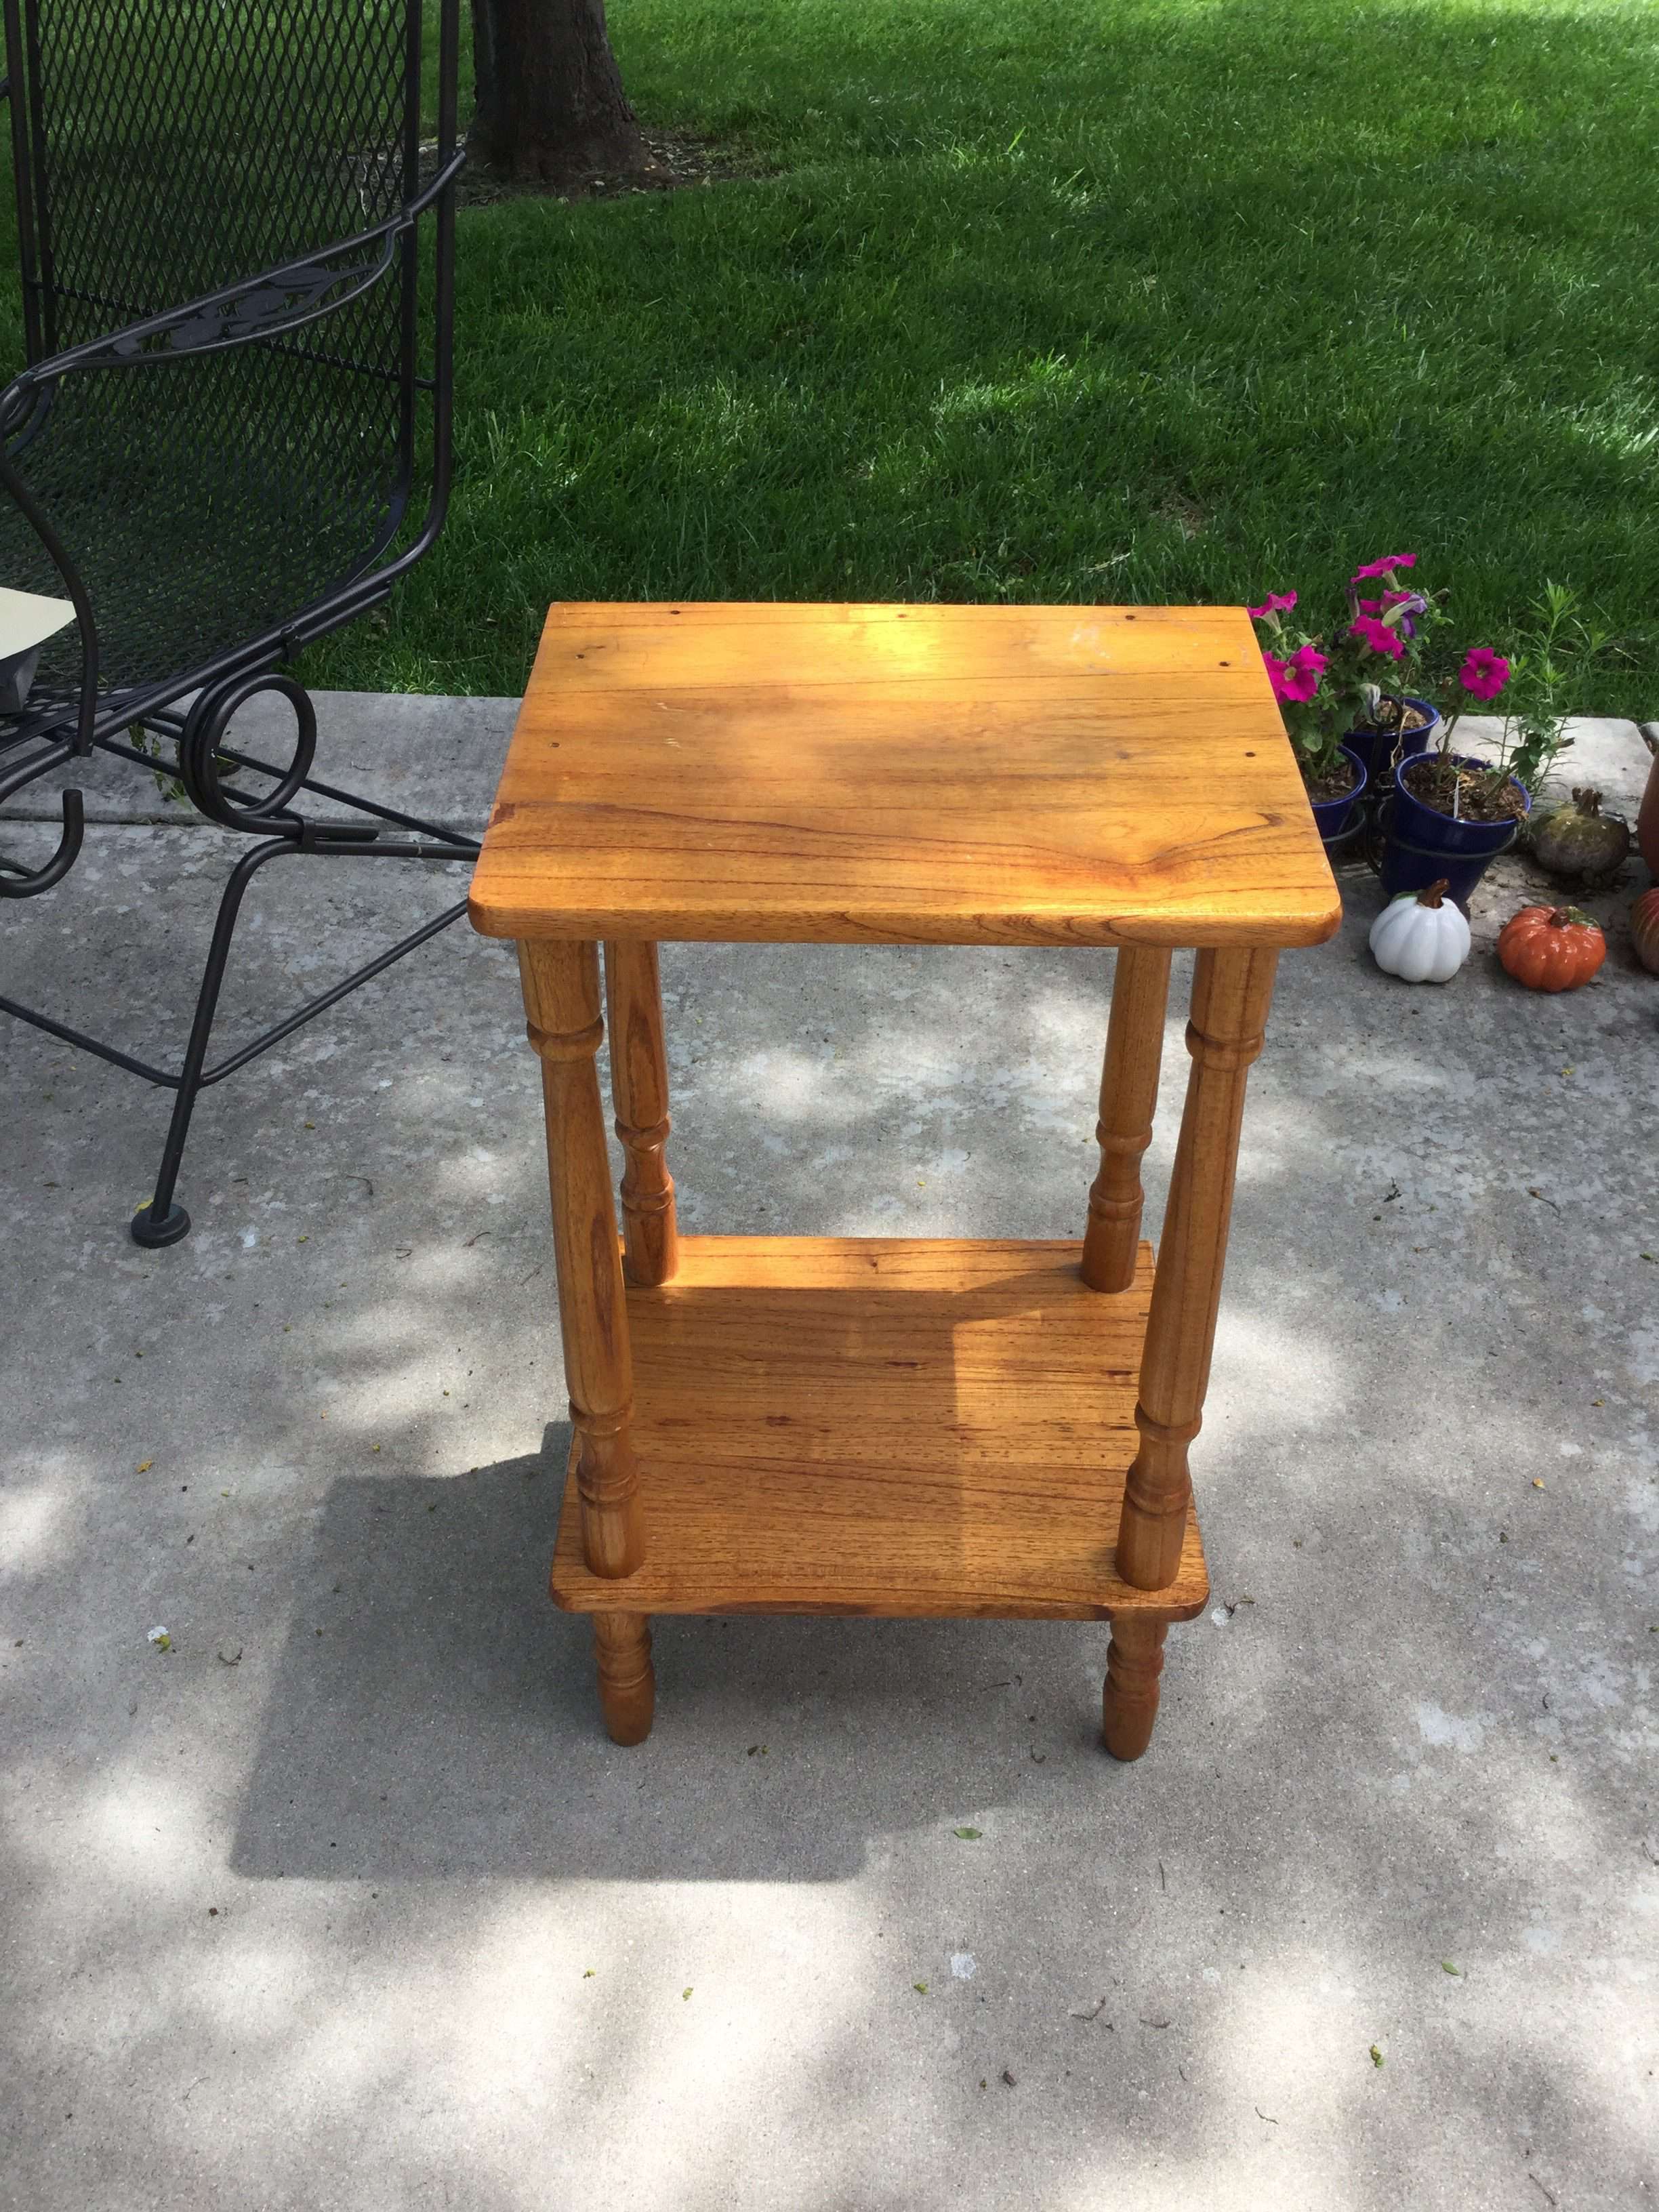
215 484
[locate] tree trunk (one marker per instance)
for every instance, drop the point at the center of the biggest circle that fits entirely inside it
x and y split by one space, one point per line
552 109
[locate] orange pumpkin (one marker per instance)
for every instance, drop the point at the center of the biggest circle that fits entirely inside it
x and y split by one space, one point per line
1644 919
1552 948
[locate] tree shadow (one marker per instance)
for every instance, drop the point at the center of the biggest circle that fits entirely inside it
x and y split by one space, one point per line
417 1839
440 1642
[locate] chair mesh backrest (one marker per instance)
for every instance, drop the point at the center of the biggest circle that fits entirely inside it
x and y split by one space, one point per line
178 146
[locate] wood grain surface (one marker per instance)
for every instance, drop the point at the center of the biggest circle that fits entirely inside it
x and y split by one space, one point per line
1041 776
852 1425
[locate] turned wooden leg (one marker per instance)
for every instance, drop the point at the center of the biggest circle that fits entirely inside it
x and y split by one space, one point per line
1128 1099
562 1002
628 1689
1231 991
639 1089
1135 1661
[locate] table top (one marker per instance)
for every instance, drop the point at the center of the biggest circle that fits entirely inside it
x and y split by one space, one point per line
902 775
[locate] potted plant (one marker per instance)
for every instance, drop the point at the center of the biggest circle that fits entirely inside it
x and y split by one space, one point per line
1332 775
1453 813
1342 689
1377 657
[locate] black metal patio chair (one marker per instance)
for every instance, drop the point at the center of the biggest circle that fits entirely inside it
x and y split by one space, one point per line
233 432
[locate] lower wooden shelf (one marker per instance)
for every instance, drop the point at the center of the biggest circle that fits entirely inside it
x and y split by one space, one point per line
862 1426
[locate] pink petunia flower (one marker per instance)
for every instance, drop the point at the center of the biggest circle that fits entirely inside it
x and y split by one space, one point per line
1307 665
1276 602
1378 636
1297 678
1484 673
1385 567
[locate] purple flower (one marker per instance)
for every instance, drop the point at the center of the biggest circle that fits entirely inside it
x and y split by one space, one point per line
1276 602
1403 609
1412 603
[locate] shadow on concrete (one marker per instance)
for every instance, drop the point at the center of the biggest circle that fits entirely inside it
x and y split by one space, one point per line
1424 1733
444 1722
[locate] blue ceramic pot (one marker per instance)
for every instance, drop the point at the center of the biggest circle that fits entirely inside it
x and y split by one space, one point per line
1423 845
1378 749
1335 818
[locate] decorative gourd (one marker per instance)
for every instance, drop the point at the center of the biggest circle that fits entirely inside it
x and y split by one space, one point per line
1578 840
1552 948
1644 929
1647 819
1421 937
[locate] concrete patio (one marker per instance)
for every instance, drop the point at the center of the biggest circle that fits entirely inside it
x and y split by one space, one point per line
346 1900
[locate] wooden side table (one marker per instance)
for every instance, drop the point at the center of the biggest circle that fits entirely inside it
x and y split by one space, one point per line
895 1426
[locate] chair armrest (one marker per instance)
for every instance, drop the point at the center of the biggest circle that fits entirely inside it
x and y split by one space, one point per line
269 304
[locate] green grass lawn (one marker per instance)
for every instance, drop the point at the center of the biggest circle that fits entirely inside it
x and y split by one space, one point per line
1132 300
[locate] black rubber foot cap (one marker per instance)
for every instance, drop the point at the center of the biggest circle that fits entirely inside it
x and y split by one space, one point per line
172 1226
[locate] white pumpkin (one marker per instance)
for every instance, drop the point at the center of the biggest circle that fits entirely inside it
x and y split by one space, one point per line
1421 937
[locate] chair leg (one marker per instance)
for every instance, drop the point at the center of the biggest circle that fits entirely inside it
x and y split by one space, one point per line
627 1687
164 1221
1135 1661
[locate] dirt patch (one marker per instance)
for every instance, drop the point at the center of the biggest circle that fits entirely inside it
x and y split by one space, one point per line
1183 514
679 162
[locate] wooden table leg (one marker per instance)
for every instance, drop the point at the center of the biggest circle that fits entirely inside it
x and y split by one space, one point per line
1134 1660
562 1002
628 1689
1231 992
638 1090
1128 1099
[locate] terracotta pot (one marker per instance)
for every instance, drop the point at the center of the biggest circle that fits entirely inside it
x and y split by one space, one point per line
1647 822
